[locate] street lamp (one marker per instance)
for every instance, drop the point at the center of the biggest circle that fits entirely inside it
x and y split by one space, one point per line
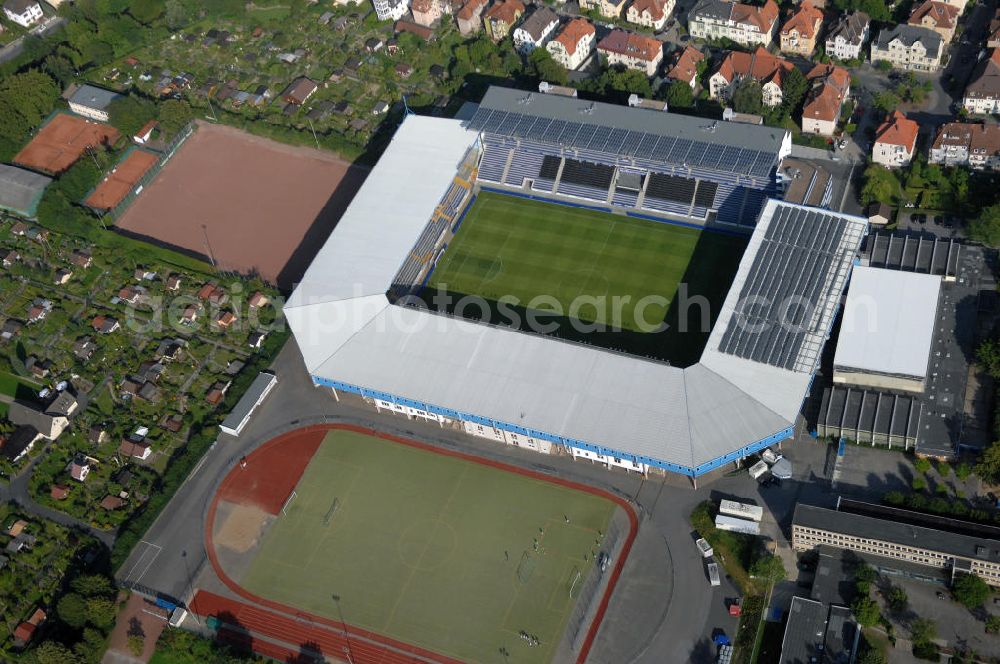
343 625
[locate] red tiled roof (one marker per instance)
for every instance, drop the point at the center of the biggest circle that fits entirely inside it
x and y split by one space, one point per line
898 130
759 65
652 7
806 21
763 17
506 11
685 65
574 31
632 44
941 14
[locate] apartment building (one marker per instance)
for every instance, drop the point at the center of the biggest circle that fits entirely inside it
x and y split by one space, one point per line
799 33
966 144
535 30
650 13
607 8
909 47
982 94
895 141
425 12
940 17
573 44
766 69
848 36
899 540
830 86
501 17
744 24
632 50
684 66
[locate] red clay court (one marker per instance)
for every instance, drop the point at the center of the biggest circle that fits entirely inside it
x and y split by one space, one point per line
117 184
251 204
62 141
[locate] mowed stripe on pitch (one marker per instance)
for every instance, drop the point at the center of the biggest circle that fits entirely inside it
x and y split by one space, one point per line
516 247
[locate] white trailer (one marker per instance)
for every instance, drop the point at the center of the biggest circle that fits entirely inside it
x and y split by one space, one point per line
704 547
713 574
758 469
769 455
741 510
734 525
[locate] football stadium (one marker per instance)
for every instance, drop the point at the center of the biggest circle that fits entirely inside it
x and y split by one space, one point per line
616 283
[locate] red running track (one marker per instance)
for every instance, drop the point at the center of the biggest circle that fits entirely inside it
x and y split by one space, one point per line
270 475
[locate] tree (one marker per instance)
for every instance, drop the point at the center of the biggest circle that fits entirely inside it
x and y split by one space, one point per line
748 97
101 612
793 88
962 471
988 467
619 82
866 611
72 610
918 484
546 68
880 185
922 465
985 228
174 115
136 643
79 179
970 590
93 585
680 95
768 568
176 14
886 101
146 11
923 630
992 624
130 113
52 652
871 656
897 599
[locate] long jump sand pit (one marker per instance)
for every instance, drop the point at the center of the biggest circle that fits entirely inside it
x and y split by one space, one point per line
250 204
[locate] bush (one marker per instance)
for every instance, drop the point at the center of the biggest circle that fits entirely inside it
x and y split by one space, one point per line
919 484
922 465
866 611
963 471
970 590
897 599
944 469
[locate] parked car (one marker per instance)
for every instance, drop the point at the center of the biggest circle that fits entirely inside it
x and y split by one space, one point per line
603 560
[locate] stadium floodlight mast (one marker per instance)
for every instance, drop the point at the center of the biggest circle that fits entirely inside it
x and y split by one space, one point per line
343 625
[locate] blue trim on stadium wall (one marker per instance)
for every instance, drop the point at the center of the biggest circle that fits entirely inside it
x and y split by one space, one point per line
565 442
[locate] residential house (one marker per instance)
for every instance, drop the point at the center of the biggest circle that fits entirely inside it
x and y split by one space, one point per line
425 12
217 392
16 528
535 30
380 108
501 17
414 29
136 449
81 259
256 300
768 70
256 339
92 102
212 293
830 86
895 141
573 45
402 70
173 283
847 36
607 8
967 144
11 328
22 542
170 350
742 23
684 66
10 257
982 94
79 468
59 492
62 276
38 310
190 315
940 17
97 434
390 10
632 50
469 16
26 630
650 13
909 47
19 229
225 319
129 294
19 443
799 33
144 274
39 368
374 44
111 503
23 12
105 324
299 90
84 348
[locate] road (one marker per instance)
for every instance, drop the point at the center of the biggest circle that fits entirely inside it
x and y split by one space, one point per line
13 49
663 605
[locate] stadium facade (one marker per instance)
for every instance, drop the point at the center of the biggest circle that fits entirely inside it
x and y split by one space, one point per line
360 333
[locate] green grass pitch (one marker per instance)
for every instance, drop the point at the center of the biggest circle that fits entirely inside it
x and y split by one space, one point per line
430 549
509 246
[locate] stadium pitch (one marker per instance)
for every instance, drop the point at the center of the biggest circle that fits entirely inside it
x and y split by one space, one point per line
576 262
442 552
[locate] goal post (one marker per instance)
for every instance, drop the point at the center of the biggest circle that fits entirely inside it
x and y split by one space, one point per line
288 501
525 567
330 513
574 582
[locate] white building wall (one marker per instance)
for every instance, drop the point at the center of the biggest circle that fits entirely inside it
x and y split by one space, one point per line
891 156
609 461
507 437
409 412
31 15
88 112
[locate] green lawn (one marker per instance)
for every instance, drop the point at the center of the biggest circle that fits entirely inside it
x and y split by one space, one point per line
429 549
17 387
514 247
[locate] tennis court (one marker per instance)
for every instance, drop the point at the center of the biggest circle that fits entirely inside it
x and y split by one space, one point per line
438 551
63 140
119 182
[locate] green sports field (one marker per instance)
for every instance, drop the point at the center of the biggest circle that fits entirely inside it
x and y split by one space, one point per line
429 549
514 247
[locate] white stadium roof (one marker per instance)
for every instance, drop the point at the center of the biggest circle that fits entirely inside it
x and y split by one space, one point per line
686 419
888 322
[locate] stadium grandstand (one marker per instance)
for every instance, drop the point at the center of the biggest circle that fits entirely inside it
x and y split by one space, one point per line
692 169
359 332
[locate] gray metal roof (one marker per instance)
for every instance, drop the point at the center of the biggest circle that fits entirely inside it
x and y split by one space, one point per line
909 35
348 332
895 532
679 140
21 190
805 632
260 385
92 96
888 322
